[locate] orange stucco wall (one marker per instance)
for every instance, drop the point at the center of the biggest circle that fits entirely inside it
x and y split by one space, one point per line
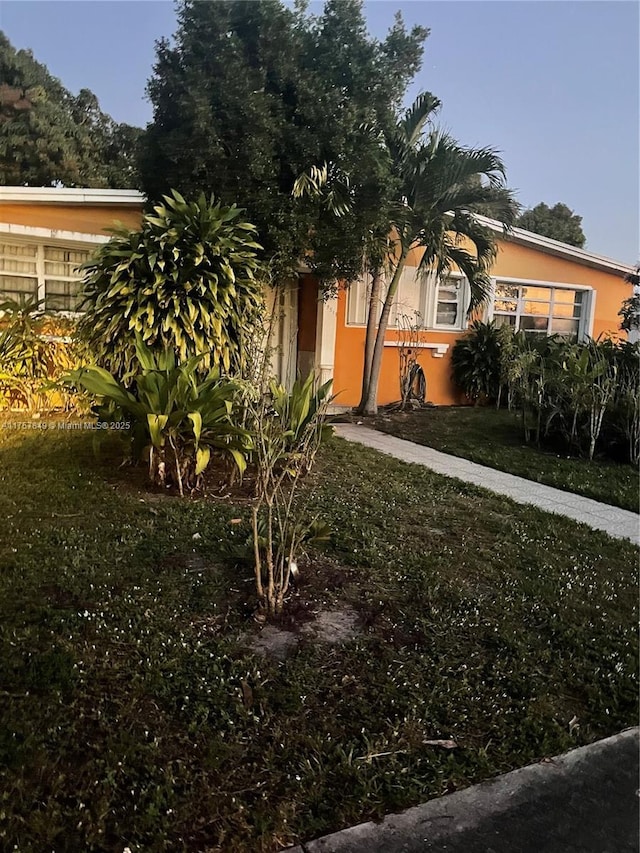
513 261
349 360
87 219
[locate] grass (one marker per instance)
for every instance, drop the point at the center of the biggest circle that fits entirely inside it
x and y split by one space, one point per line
494 438
133 713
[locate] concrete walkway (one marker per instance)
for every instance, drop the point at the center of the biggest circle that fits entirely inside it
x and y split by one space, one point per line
585 801
619 523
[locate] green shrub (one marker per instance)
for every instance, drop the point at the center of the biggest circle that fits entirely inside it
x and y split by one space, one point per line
576 397
176 419
476 363
186 280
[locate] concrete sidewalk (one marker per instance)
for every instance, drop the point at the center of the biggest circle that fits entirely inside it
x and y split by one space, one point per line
619 523
585 801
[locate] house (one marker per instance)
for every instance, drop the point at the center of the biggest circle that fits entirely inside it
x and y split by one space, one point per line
46 232
539 285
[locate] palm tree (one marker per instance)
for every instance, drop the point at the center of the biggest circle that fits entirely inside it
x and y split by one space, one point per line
331 187
439 189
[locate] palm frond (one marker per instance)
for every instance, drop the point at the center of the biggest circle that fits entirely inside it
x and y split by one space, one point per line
327 183
411 127
476 274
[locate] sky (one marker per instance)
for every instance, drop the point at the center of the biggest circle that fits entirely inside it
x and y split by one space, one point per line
554 85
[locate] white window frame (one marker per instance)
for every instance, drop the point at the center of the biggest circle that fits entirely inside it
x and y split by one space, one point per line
427 302
462 302
585 321
40 275
358 301
33 277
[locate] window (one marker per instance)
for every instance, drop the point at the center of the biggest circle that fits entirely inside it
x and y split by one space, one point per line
358 301
46 273
422 301
62 281
539 309
408 307
18 271
449 308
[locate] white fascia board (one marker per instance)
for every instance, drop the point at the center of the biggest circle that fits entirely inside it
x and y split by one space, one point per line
70 195
29 232
555 247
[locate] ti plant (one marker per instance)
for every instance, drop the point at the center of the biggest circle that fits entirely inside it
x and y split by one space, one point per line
580 396
187 280
624 409
475 361
288 430
177 418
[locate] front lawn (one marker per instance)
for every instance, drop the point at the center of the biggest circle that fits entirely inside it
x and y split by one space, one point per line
134 713
495 438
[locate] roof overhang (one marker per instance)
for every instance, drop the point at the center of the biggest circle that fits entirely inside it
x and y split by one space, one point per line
70 195
30 233
555 247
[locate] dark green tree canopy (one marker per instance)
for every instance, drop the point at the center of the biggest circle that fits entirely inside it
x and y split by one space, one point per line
248 95
558 222
49 136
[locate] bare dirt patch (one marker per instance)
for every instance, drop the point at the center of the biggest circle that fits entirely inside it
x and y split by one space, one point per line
274 642
336 626
333 626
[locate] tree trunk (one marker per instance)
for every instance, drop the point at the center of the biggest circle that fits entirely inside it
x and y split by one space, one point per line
370 337
371 403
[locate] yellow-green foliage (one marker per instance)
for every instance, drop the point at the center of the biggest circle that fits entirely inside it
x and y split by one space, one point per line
174 418
186 280
36 349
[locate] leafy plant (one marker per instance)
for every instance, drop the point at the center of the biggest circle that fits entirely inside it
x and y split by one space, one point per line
186 280
177 419
587 380
622 420
475 361
289 428
438 189
575 392
36 348
580 396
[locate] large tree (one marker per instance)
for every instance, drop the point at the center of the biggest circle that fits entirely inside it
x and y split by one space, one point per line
248 94
49 136
558 222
